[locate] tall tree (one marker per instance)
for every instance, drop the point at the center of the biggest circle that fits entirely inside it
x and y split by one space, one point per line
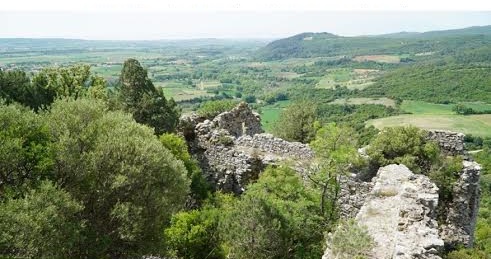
148 104
335 152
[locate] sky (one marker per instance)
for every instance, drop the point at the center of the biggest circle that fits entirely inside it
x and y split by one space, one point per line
183 19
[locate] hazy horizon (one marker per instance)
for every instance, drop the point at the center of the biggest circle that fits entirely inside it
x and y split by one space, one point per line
226 24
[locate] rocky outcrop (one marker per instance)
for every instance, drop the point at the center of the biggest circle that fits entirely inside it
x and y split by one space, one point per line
399 214
457 216
232 150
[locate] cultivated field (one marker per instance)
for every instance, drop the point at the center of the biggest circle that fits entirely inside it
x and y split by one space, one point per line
479 125
383 101
350 78
378 58
419 107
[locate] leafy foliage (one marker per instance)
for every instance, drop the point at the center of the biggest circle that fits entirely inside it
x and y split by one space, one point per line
194 234
278 217
147 104
25 154
51 83
43 224
335 152
296 122
121 170
404 145
200 189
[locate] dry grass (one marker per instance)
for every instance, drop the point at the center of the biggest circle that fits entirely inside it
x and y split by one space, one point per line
383 101
378 58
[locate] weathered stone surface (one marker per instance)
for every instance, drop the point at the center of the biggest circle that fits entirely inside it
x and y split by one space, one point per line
451 143
232 150
461 214
399 213
352 195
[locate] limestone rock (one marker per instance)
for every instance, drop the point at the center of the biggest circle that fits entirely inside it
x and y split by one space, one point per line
399 214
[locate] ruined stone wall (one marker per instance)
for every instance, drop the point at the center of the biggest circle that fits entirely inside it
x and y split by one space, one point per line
452 143
267 143
352 195
241 120
232 151
460 221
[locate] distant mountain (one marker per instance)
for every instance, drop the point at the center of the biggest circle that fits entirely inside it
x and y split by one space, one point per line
475 30
326 44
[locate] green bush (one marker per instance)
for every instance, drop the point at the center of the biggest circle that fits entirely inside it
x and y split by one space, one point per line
404 145
194 234
350 240
277 217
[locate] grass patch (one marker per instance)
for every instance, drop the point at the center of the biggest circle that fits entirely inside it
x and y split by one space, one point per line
180 92
271 113
420 107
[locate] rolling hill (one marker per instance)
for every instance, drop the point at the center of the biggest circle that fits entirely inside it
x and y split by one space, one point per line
306 45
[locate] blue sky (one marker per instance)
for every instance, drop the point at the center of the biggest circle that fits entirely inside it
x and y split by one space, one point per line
178 24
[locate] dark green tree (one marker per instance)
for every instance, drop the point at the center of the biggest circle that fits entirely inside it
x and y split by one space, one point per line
25 154
148 104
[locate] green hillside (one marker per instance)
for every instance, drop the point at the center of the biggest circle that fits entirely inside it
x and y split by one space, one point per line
307 45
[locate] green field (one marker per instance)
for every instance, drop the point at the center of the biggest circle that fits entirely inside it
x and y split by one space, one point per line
271 113
439 116
181 92
378 58
479 125
419 107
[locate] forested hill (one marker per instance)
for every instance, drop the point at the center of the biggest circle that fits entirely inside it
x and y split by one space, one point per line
307 45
